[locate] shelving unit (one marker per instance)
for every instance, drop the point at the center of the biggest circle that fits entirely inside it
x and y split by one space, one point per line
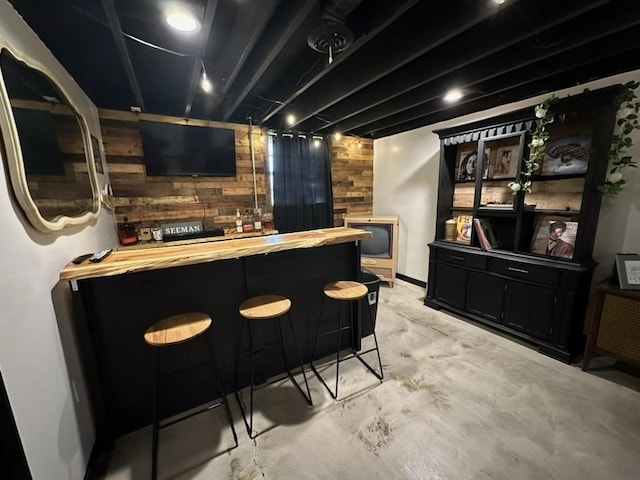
526 285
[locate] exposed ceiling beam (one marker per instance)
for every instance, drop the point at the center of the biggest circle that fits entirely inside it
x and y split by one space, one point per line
248 48
493 37
515 59
207 23
566 71
116 31
386 55
278 38
389 18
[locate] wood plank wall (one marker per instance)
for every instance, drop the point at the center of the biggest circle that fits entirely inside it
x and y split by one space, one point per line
153 200
352 177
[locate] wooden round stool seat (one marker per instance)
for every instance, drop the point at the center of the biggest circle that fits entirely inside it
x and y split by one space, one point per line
177 329
265 307
345 290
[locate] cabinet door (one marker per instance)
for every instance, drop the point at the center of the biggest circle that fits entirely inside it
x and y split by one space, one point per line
484 295
529 308
451 285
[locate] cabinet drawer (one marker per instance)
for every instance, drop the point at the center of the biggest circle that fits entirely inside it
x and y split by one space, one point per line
465 259
523 271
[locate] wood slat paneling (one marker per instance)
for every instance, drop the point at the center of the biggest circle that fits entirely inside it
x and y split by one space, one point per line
151 200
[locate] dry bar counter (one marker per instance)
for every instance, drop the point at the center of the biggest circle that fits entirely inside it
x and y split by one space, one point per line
118 299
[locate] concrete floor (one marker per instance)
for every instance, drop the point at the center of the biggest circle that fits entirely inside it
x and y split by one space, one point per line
457 402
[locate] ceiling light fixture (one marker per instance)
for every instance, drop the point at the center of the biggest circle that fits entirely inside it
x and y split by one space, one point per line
453 95
182 21
205 83
337 136
499 2
291 119
316 142
330 39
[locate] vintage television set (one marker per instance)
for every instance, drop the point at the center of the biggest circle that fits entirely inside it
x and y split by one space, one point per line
379 253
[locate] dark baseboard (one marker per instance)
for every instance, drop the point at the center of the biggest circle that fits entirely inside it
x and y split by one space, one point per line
13 462
419 283
98 462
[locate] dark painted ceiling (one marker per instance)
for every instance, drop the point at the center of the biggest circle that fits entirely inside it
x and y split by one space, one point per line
405 55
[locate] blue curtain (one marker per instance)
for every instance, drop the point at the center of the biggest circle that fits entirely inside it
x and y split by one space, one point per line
302 192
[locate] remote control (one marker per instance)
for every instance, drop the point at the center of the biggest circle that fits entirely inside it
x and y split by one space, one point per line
81 258
101 255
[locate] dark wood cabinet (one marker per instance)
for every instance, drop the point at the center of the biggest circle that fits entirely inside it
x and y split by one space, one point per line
478 302
518 285
451 289
529 308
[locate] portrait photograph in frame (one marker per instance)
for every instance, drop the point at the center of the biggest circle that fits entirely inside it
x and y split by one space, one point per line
507 162
467 162
467 165
554 237
628 267
97 154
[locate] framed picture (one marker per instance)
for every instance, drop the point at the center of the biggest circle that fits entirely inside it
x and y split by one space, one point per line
507 162
487 155
97 154
554 238
628 267
467 165
565 156
463 228
467 162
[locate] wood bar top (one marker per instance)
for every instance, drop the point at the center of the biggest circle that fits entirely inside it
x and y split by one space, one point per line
228 235
140 260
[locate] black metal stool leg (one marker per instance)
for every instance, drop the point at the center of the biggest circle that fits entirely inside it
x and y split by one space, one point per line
380 375
154 420
315 338
338 349
248 424
223 396
253 379
307 397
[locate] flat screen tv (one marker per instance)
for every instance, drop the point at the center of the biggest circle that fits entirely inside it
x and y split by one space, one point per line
188 150
380 252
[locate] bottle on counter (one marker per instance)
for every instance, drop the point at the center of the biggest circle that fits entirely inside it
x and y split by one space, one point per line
239 228
257 220
247 223
267 221
127 233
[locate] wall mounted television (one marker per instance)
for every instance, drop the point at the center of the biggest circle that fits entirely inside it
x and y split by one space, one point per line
379 253
188 150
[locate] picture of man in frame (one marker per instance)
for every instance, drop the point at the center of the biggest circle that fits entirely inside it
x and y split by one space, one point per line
550 243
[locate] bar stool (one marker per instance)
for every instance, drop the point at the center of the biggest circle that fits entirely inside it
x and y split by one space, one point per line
260 309
173 331
345 290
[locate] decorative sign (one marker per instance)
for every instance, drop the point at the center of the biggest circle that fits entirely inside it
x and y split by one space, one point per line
181 229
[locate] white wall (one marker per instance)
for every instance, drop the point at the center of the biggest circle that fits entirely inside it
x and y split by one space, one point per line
38 355
405 183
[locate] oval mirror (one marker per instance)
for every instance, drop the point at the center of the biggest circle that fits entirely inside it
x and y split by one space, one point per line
47 145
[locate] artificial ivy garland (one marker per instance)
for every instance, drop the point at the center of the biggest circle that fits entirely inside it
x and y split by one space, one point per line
544 116
628 121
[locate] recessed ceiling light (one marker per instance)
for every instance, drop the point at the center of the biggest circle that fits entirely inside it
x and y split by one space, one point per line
291 119
499 2
453 95
183 21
